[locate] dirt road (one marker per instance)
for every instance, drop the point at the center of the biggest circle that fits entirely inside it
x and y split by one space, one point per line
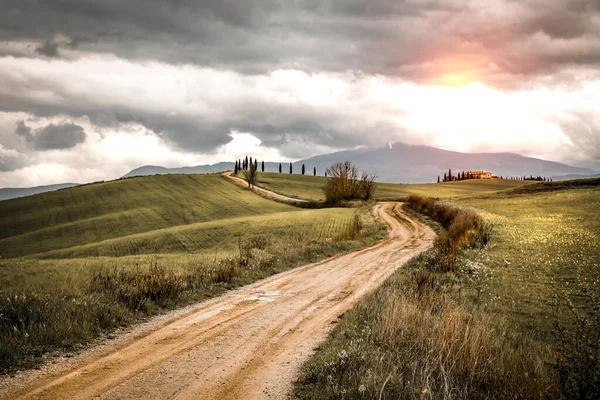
263 192
246 344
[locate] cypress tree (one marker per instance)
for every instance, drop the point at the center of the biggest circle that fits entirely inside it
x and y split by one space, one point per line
262 166
438 179
290 167
279 167
450 175
235 170
303 170
246 163
314 171
445 178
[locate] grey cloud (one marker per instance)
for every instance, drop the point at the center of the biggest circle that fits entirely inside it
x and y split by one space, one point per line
11 162
23 130
397 38
583 129
51 137
48 48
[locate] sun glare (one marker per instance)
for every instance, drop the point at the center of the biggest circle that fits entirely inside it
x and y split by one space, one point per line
457 79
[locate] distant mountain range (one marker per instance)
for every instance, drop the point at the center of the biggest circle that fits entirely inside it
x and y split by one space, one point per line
402 163
397 162
11 193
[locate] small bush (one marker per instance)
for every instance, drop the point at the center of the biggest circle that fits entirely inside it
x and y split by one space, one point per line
463 228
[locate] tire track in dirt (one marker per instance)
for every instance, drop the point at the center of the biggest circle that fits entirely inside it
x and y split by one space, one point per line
248 343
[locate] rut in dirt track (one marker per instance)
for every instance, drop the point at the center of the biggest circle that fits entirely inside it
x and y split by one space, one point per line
248 343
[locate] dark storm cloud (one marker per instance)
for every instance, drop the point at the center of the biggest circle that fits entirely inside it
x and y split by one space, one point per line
48 48
51 137
398 38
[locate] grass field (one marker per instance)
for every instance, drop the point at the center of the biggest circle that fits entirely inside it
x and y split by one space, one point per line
546 246
528 303
79 262
96 212
310 187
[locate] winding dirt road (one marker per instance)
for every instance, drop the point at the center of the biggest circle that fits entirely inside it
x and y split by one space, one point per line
262 191
246 344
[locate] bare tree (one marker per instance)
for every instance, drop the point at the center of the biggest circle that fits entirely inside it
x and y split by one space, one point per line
346 183
367 185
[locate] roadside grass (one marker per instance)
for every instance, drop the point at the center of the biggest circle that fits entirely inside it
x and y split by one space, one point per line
74 295
310 187
101 211
418 337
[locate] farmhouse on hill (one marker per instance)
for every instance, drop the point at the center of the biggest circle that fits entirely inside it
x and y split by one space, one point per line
479 174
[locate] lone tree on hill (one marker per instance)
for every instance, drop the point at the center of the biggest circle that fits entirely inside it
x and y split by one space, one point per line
303 169
262 166
250 175
279 167
290 167
345 183
438 179
314 171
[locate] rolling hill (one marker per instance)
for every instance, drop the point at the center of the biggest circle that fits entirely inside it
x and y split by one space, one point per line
89 214
401 163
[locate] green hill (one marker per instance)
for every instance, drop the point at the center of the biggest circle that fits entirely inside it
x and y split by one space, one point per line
310 187
97 212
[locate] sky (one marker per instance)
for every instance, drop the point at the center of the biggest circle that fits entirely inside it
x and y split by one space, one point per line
92 89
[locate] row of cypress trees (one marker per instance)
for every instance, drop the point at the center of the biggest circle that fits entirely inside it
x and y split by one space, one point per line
247 163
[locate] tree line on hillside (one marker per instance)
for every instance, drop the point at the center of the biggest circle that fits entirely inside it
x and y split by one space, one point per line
462 176
247 164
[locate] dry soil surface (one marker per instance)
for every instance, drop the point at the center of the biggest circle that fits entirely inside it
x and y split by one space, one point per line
246 344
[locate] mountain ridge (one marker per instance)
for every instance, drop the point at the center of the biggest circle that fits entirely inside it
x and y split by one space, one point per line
12 193
392 163
401 163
